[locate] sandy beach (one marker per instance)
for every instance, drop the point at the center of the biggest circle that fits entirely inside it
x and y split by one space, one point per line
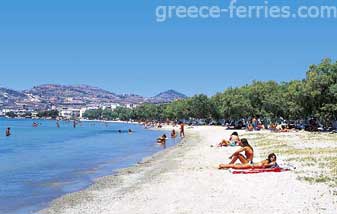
185 179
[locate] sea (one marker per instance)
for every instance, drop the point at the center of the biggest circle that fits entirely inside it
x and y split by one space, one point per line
40 162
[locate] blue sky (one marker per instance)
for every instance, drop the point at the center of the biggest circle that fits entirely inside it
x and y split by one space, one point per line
118 46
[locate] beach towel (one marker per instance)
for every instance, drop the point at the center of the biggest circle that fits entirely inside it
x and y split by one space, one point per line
255 171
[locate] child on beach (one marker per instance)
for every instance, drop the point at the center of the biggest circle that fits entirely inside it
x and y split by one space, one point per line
270 163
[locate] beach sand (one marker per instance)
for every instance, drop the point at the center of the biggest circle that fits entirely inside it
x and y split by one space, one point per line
185 179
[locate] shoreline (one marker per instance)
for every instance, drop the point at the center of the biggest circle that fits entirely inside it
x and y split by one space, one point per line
185 179
115 180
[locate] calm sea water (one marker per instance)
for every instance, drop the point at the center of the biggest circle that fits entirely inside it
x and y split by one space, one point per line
40 164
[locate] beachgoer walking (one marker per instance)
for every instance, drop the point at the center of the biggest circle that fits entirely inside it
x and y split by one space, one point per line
182 130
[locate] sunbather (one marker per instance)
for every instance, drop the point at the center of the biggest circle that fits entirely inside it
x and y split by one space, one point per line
244 159
270 162
233 140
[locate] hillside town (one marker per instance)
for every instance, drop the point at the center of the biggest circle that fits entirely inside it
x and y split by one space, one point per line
71 101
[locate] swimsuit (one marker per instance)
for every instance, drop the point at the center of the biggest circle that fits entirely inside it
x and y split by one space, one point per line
275 165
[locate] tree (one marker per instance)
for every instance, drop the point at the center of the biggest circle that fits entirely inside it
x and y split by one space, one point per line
11 114
52 113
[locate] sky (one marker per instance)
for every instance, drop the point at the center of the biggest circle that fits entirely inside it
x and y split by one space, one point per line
119 46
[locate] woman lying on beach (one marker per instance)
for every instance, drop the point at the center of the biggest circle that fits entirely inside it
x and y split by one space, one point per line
270 163
233 140
247 149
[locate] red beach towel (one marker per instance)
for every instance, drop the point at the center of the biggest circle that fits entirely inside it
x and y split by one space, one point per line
254 171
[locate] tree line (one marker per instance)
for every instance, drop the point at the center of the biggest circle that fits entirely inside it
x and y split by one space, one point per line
314 96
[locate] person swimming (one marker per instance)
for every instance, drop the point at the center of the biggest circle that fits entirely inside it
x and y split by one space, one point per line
162 139
130 131
270 163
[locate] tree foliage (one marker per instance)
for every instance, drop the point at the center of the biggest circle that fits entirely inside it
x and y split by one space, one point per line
314 96
52 113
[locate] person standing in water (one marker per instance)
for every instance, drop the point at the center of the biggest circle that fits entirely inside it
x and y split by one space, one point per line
74 124
173 134
57 124
8 132
162 139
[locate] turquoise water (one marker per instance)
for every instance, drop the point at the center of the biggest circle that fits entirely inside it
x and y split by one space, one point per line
40 164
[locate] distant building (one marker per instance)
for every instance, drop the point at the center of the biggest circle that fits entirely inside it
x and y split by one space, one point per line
69 113
131 105
34 114
114 106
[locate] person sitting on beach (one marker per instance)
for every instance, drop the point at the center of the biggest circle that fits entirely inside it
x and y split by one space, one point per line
173 134
244 159
273 127
162 139
250 127
283 128
233 140
270 163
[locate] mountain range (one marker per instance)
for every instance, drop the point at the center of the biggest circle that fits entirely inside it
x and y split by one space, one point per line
48 95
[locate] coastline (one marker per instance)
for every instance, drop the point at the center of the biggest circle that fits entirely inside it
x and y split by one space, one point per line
184 179
126 179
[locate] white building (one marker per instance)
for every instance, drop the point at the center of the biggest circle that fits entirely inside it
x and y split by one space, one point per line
131 105
114 106
69 113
